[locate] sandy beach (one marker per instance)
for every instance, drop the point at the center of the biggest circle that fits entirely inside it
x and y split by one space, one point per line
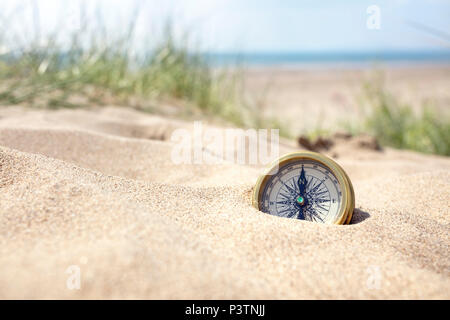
333 96
94 190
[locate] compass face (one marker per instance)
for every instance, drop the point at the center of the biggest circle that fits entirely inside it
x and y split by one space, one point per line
302 189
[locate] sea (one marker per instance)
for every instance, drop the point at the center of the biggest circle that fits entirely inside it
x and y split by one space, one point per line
324 59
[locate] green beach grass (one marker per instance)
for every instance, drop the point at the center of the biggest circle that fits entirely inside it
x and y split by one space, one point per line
396 124
94 65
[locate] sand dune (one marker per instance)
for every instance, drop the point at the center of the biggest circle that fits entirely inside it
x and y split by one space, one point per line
96 189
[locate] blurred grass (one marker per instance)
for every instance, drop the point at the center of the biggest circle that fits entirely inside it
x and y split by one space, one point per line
396 124
392 122
97 66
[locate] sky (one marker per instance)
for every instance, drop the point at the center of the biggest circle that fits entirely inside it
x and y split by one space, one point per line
266 25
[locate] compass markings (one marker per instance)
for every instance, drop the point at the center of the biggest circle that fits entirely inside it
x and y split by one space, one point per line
290 210
323 208
282 191
292 213
314 215
285 202
292 191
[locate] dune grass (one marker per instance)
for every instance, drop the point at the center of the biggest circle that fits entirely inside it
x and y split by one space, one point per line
394 123
97 66
397 125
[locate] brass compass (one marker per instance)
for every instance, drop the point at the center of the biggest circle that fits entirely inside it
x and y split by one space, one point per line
306 186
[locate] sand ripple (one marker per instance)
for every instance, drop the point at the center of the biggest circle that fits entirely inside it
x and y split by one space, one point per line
97 190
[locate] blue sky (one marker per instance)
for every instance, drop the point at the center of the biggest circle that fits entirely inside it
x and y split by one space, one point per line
279 26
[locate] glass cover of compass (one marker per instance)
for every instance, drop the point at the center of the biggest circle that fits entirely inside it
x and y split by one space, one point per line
306 186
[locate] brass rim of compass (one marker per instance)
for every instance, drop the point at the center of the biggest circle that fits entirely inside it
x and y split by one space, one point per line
348 194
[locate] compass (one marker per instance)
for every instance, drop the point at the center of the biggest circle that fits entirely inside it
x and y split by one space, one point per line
306 186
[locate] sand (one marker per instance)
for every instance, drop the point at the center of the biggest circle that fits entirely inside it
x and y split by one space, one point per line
334 96
95 191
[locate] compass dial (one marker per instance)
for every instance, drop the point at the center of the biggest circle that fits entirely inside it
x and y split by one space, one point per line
306 186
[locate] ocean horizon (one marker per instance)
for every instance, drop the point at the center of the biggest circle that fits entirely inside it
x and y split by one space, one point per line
338 58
